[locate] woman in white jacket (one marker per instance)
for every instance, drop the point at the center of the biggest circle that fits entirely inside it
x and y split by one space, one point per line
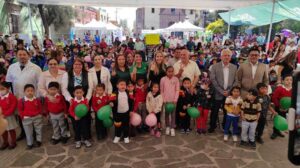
154 102
100 74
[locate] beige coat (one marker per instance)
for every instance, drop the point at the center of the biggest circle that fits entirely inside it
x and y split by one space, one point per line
245 80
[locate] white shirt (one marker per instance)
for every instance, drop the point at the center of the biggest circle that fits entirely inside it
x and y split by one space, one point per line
19 78
254 68
123 105
190 70
46 78
139 46
226 75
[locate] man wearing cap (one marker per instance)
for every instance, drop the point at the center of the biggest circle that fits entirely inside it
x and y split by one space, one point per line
251 73
222 76
187 68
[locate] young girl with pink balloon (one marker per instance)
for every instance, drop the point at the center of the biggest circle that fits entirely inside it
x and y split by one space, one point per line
154 102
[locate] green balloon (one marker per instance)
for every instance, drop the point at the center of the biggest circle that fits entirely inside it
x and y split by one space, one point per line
104 112
169 107
107 123
193 112
285 103
280 123
81 110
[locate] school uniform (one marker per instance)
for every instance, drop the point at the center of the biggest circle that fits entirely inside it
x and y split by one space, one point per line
122 105
97 103
81 127
57 111
8 104
30 111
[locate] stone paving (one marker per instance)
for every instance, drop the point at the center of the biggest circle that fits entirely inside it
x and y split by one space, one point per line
182 151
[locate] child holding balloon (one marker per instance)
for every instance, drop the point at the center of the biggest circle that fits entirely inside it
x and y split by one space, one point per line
56 107
80 121
99 100
169 89
282 93
121 105
154 102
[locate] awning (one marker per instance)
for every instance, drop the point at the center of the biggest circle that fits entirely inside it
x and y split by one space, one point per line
259 15
187 4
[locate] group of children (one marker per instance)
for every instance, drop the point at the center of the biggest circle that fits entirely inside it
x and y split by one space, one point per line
137 98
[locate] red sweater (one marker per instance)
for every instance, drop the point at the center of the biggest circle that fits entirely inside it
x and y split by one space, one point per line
56 107
98 102
8 104
73 105
140 94
279 93
29 108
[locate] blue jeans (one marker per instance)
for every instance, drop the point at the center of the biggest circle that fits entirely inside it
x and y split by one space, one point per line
234 121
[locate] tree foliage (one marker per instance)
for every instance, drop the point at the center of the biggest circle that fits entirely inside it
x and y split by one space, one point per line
216 26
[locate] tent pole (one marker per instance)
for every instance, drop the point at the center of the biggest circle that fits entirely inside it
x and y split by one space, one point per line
229 21
30 17
270 28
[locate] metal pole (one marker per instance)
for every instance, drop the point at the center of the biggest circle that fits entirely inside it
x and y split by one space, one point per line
270 28
30 17
229 21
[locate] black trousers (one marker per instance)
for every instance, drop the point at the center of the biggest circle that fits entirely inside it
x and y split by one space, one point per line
81 128
101 131
260 126
185 121
215 113
124 128
283 114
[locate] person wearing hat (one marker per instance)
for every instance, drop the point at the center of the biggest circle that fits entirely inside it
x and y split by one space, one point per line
222 76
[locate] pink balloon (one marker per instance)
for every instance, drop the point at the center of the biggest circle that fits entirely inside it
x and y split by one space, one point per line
87 59
135 119
151 120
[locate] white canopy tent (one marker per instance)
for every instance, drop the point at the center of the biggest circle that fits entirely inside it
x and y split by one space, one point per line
184 26
187 4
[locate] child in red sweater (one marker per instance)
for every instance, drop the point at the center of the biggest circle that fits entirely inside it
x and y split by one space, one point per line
99 100
8 103
140 102
284 90
80 125
30 110
55 106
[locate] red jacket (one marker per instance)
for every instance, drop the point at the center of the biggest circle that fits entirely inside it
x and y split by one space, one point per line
29 108
56 107
279 93
8 104
140 94
98 102
74 103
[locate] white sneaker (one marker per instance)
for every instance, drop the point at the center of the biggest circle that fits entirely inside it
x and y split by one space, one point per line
77 144
172 132
116 140
235 138
225 137
168 131
126 140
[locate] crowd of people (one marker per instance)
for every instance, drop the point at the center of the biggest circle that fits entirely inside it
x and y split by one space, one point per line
51 79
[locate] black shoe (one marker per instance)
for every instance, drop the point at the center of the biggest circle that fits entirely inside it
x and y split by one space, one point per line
259 140
210 130
21 137
64 140
274 136
252 145
243 143
280 135
38 144
4 146
54 141
29 147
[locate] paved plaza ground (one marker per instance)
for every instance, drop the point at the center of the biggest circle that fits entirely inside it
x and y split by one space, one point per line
203 151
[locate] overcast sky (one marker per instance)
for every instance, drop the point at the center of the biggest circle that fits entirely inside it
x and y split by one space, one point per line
122 13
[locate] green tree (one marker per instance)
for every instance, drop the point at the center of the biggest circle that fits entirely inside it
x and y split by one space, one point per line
59 16
216 26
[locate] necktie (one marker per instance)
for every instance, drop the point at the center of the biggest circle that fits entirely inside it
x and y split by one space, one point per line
22 67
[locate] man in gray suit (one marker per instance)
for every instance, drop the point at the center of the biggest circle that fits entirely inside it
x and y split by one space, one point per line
222 76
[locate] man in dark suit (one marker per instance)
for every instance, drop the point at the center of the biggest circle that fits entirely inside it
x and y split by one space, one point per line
222 76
